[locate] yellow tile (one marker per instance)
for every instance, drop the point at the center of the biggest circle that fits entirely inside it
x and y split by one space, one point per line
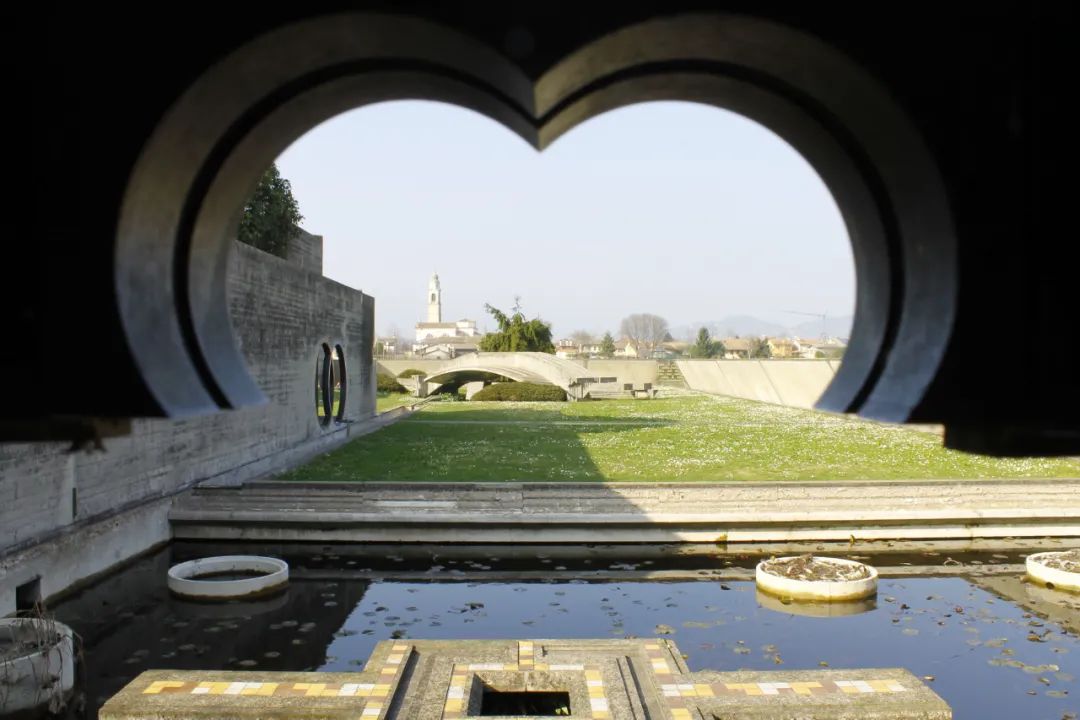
388 671
803 688
217 688
266 689
158 685
596 692
850 690
704 691
592 675
380 691
453 705
601 715
680 714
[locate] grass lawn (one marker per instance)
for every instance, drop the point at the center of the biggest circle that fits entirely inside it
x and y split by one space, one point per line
684 438
389 401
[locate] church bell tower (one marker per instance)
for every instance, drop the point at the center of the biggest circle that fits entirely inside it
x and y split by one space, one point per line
434 308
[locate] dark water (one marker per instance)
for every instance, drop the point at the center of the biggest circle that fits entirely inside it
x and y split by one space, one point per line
989 659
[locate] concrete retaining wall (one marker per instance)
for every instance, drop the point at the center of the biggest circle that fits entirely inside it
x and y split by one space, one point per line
795 383
637 372
282 314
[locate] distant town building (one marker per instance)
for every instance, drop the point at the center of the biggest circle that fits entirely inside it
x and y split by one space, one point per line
736 348
438 340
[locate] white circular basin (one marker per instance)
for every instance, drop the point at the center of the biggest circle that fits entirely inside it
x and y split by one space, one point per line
816 578
1056 570
37 664
228 576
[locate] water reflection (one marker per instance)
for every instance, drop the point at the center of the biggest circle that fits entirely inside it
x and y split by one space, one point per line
988 658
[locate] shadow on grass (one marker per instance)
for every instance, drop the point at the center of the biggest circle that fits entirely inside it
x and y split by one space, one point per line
474 445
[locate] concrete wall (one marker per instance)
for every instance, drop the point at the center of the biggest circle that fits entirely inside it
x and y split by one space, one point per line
637 372
305 251
65 516
398 366
795 383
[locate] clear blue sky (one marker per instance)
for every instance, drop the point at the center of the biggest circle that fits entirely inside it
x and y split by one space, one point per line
677 209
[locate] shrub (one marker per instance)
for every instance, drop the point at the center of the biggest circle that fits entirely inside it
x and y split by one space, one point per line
522 392
410 372
388 384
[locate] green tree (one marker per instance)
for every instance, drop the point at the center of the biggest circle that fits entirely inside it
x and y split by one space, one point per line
516 334
271 215
759 348
607 345
705 346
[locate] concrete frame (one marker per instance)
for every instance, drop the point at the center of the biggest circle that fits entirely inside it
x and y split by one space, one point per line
207 152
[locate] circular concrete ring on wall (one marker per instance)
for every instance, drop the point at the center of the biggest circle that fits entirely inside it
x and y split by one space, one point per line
228 576
37 664
1055 570
771 578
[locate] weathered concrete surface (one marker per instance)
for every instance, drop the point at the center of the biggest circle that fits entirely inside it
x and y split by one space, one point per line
282 313
603 680
631 512
637 372
394 367
794 383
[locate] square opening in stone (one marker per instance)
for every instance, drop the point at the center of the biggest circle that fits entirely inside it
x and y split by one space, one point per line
525 703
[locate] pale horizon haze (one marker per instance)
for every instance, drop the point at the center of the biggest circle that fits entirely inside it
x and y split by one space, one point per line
676 209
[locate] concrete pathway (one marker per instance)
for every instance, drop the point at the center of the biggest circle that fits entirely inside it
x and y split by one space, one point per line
726 512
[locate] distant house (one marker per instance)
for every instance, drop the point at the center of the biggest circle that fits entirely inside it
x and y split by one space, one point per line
386 346
567 352
446 348
736 348
675 348
626 348
784 347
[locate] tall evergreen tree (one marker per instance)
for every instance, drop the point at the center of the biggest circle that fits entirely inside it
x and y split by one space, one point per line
271 215
607 345
705 346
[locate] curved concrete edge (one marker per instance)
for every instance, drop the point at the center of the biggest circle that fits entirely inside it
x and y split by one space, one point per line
805 608
820 590
183 578
22 677
1051 577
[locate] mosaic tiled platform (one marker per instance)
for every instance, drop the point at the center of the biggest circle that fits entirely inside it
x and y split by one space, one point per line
444 679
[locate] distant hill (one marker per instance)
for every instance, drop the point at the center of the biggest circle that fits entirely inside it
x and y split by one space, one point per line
743 325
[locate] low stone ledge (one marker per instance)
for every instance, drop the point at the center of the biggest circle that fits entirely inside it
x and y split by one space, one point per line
600 680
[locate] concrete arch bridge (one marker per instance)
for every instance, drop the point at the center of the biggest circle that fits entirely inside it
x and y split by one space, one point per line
531 367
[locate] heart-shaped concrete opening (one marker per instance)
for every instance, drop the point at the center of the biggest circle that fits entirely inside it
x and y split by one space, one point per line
182 206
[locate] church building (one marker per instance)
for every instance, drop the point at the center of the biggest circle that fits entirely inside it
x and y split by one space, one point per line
438 340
